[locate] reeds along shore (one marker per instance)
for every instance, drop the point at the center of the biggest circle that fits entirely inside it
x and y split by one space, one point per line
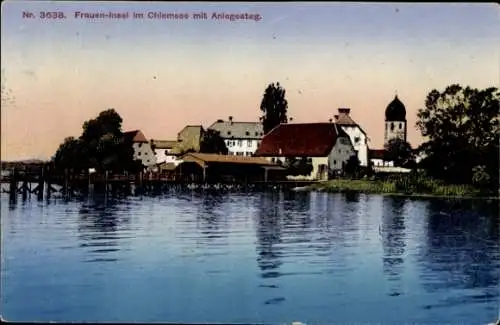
403 185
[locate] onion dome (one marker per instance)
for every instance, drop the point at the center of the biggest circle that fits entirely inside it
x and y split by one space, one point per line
395 111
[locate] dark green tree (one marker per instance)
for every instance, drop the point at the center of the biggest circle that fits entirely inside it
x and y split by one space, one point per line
461 126
212 142
353 166
101 146
400 152
274 107
70 156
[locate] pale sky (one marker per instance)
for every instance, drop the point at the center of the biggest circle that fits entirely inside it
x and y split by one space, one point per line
161 75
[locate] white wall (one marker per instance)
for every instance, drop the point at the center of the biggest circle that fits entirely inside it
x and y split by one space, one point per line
361 146
143 152
242 147
393 130
381 163
341 152
162 155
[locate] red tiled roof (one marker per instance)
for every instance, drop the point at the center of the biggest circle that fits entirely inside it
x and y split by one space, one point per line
134 136
300 140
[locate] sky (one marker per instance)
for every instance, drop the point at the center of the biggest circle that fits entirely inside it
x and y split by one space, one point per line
161 75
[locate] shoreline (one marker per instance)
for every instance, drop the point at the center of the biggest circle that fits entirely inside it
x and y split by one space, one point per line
336 186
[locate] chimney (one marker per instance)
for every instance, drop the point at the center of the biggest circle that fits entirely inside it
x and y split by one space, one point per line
231 119
336 117
330 120
291 119
345 111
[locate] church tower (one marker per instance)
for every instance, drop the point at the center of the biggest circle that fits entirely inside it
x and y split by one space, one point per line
395 121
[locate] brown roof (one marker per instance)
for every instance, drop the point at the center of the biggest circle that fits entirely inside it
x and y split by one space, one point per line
344 119
134 136
300 140
215 158
163 144
167 166
376 153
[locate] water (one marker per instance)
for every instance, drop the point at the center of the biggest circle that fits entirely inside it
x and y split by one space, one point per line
251 258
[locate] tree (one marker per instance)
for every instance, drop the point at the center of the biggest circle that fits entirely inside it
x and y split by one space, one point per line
462 128
101 146
352 167
274 107
212 142
400 152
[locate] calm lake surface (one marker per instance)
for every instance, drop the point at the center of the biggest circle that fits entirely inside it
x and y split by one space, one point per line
251 258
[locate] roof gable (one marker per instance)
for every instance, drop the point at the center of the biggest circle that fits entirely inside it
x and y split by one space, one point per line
300 140
135 136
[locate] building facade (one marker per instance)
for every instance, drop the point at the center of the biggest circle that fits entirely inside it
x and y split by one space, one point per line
325 145
142 148
357 135
164 151
241 138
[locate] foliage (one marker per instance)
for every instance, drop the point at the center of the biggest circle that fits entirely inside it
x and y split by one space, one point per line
400 152
480 177
352 167
212 142
399 184
274 107
462 128
101 146
298 167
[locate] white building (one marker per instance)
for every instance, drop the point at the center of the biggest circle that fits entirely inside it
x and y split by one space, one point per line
241 138
142 148
163 150
326 145
358 136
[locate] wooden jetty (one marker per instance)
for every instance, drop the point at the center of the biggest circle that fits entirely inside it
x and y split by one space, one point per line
44 184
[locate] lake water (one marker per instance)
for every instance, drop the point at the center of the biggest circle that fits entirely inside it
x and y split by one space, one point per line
269 258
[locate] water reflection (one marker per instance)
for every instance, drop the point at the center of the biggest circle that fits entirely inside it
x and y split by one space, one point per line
212 214
268 228
462 248
392 232
101 223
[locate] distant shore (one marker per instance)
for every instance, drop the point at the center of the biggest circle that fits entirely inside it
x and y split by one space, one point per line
417 189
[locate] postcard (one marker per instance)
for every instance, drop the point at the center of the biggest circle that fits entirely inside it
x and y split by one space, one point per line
250 162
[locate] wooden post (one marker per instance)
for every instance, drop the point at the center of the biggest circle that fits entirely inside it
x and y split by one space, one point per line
204 173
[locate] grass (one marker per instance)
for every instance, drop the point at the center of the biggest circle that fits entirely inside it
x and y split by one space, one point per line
402 185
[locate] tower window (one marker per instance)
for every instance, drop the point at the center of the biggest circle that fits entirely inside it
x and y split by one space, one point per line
392 126
400 126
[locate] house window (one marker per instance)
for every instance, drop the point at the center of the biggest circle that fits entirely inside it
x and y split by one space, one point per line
400 126
228 132
261 133
247 133
166 152
139 153
140 144
334 162
356 140
256 133
240 143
